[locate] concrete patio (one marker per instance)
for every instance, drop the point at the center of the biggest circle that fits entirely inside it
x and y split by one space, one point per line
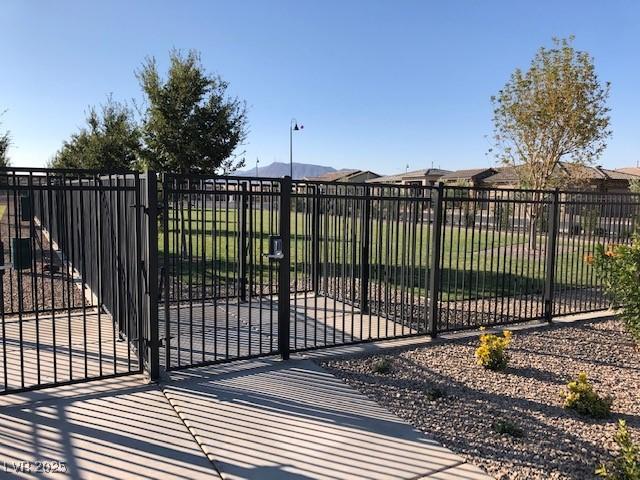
253 419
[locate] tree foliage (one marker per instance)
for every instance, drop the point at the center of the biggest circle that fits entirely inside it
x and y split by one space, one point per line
5 143
555 111
110 141
190 123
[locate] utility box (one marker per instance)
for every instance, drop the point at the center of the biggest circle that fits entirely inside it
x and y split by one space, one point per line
21 256
26 211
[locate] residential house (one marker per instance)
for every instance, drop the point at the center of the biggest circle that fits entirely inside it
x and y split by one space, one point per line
425 177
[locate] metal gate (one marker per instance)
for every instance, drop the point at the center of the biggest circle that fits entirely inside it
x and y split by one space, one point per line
221 292
75 301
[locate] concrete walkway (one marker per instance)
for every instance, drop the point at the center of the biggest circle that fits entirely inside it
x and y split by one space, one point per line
110 429
254 419
267 419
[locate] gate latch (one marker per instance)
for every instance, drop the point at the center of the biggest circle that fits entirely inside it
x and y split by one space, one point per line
275 248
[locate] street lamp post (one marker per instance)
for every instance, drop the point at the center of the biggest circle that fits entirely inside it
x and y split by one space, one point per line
257 162
293 126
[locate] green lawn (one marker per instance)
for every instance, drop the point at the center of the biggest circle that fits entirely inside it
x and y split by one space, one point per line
475 262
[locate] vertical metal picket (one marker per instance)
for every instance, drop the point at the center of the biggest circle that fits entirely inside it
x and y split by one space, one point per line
284 286
315 241
243 242
434 270
364 253
151 263
550 261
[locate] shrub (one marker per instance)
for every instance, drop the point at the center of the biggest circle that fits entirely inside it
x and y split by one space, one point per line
382 365
582 398
618 266
626 466
492 352
507 427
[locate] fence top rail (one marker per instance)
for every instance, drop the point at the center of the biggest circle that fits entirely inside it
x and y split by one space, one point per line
220 178
78 171
24 172
68 188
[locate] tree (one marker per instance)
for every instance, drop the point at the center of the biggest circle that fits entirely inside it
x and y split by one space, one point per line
190 124
555 111
5 143
110 141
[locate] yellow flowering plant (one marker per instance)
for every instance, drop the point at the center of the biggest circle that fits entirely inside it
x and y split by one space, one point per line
581 397
492 351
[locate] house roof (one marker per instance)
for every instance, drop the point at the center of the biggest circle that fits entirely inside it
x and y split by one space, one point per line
416 174
469 174
368 173
508 175
343 175
334 176
618 175
595 172
503 175
629 170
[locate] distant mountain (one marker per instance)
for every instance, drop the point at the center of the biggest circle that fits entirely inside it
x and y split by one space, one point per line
280 169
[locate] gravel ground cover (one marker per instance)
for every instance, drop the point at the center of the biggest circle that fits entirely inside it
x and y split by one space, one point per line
440 390
36 287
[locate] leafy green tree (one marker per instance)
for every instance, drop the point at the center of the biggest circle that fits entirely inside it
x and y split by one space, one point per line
555 111
110 141
5 143
190 123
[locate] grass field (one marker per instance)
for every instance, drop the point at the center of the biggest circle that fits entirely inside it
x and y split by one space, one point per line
476 262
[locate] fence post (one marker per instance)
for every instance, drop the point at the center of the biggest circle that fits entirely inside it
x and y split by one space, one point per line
550 261
434 270
151 262
364 253
315 241
284 287
243 243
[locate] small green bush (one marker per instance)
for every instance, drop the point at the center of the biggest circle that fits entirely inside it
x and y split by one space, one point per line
581 397
618 266
626 466
492 351
382 365
507 427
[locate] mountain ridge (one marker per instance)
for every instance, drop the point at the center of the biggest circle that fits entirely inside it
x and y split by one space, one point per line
280 169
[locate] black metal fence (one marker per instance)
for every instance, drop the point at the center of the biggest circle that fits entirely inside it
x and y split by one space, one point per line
368 261
113 273
73 300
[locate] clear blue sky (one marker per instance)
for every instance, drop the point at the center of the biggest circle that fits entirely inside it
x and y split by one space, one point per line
377 84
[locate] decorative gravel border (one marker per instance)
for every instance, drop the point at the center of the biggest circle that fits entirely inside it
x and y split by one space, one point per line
556 443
